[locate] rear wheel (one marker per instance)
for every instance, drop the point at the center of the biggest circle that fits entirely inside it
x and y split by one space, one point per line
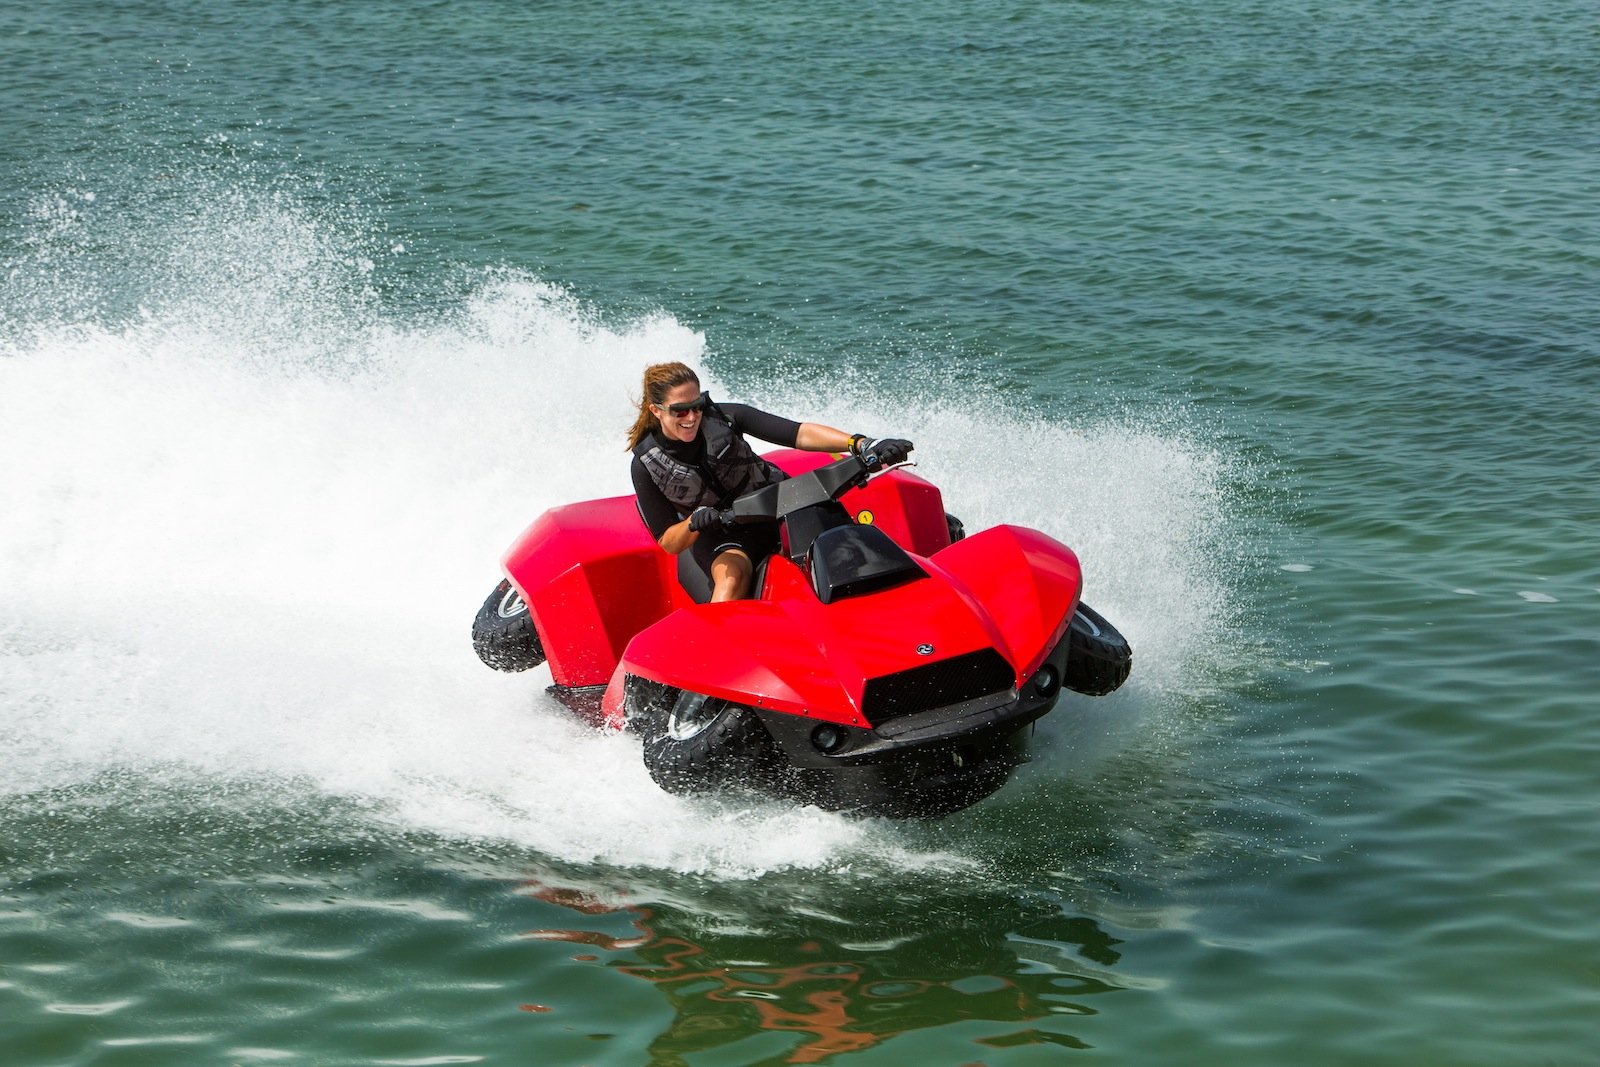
503 635
694 743
954 527
1098 657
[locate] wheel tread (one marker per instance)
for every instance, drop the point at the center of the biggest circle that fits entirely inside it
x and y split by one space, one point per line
505 644
1097 662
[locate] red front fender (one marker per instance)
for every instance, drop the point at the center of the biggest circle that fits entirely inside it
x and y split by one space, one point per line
1027 582
746 651
794 654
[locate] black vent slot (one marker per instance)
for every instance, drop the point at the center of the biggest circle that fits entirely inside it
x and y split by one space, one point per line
936 685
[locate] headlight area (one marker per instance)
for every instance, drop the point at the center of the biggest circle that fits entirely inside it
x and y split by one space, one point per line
808 742
830 737
1043 687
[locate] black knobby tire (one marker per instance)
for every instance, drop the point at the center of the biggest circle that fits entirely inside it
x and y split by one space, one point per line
503 634
955 527
1098 657
693 744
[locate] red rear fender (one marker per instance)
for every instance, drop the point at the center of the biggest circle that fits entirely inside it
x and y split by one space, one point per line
904 506
592 577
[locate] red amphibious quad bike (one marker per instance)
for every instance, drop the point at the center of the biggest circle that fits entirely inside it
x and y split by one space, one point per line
887 664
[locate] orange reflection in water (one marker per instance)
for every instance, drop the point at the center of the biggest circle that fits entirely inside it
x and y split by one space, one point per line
814 999
833 1005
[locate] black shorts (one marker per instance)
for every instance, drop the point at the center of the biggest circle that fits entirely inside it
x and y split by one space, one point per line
758 540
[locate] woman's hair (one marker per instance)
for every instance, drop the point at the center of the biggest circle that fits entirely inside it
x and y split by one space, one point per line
659 380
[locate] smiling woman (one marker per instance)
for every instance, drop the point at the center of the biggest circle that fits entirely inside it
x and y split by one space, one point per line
690 460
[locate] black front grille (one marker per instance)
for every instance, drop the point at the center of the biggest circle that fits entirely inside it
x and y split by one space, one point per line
936 685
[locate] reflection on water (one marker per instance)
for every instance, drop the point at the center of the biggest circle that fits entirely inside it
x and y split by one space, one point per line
836 998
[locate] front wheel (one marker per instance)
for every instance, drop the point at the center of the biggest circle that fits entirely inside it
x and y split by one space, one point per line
503 635
1098 657
694 743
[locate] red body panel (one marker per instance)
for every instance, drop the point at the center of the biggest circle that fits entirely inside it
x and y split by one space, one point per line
904 506
593 578
790 652
1027 582
606 601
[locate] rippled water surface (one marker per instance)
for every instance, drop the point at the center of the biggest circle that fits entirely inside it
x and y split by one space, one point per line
1282 315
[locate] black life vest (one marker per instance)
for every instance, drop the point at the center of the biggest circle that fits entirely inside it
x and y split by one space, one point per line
730 467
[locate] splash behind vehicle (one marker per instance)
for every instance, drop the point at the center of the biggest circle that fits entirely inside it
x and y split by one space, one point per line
886 663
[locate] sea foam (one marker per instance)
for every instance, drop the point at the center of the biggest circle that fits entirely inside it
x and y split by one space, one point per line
249 508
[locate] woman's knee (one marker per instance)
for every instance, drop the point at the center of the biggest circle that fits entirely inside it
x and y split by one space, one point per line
730 576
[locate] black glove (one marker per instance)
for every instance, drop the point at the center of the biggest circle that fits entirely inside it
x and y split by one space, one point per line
703 519
885 451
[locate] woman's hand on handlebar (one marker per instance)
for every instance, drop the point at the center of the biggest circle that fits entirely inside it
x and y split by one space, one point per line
883 451
705 518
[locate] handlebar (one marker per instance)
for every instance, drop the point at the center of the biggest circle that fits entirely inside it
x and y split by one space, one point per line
829 482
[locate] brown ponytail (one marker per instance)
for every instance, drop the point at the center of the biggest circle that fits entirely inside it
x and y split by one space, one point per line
659 380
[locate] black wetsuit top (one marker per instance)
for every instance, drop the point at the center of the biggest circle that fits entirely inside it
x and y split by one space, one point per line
659 512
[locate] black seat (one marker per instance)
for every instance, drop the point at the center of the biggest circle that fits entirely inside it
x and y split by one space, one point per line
697 583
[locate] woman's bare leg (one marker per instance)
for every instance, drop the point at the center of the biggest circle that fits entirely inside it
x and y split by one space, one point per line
730 576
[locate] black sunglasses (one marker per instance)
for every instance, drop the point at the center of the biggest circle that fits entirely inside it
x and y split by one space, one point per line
697 404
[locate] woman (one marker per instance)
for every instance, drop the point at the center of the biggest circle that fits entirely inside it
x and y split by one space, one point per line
690 460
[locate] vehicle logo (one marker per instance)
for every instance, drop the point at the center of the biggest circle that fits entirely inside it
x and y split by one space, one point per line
864 517
924 650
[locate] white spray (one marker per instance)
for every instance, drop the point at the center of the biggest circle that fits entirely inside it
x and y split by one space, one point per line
245 523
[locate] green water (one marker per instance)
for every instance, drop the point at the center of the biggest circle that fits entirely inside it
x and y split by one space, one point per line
1282 315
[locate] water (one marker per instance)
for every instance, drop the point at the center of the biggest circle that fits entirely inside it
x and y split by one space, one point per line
1282 316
